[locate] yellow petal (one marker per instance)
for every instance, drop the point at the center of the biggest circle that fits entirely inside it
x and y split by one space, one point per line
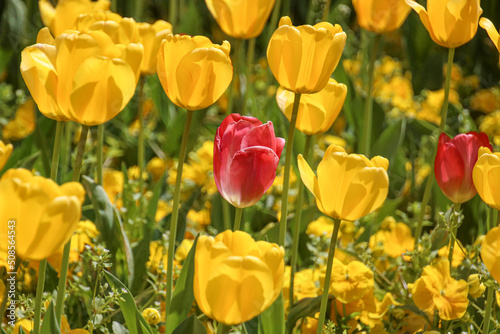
490 252
491 30
5 151
308 177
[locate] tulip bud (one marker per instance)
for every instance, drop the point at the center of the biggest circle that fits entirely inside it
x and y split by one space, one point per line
455 159
246 155
486 176
381 16
236 278
152 316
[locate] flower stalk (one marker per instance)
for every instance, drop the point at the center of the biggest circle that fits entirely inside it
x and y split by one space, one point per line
237 218
453 231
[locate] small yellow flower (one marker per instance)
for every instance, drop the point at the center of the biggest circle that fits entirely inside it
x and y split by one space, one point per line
162 210
5 152
395 240
350 282
26 324
112 183
66 329
437 290
183 249
476 288
486 100
458 255
490 124
152 316
23 124
305 285
157 168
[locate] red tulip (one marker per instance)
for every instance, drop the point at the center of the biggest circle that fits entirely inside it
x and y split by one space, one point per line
246 154
454 162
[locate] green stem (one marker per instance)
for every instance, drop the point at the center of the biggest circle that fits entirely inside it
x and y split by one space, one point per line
63 275
453 231
326 285
274 19
138 9
226 214
250 58
223 329
286 176
237 218
233 87
326 10
140 146
296 231
57 150
66 149
175 208
488 311
100 153
172 15
368 114
39 295
430 180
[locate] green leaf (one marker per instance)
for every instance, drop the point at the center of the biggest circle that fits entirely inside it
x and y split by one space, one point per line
183 296
304 308
191 325
127 306
252 326
50 324
390 141
272 320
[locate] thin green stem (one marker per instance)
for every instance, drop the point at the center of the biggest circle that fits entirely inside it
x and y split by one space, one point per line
66 149
233 87
368 113
226 214
100 153
175 208
453 231
39 295
250 58
430 180
138 9
57 150
237 218
223 329
288 162
326 10
326 285
488 311
296 231
140 145
274 19
63 275
172 15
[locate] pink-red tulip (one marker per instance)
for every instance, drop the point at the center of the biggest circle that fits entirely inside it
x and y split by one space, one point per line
454 162
246 154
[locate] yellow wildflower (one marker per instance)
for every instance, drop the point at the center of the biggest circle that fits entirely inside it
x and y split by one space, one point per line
476 288
23 124
490 124
486 100
183 249
349 282
395 240
113 184
458 254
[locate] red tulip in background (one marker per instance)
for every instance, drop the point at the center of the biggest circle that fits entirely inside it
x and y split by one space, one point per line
454 162
246 154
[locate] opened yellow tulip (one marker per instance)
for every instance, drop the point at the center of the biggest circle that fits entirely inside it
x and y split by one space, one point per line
348 186
5 151
318 111
241 19
491 30
486 177
303 58
64 15
83 77
450 23
381 16
193 71
236 278
121 30
490 252
42 214
151 36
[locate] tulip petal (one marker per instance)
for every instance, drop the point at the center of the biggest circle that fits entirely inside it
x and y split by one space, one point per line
491 30
262 135
47 12
424 16
486 175
490 251
310 181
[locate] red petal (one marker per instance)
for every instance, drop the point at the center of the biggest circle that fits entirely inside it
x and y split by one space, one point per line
449 168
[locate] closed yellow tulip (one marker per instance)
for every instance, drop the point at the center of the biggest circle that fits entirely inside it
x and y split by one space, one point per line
381 16
151 36
193 71
450 23
348 186
121 30
236 278
490 252
83 77
491 30
43 214
5 151
64 15
241 19
486 177
318 111
303 58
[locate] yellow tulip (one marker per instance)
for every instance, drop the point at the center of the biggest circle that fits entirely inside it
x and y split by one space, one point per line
450 23
490 252
381 16
151 36
121 30
318 111
491 30
236 278
193 71
5 151
64 15
241 19
303 58
44 214
83 77
486 176
348 186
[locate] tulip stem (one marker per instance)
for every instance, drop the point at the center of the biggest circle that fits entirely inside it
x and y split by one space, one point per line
488 310
430 180
286 176
453 232
66 148
296 232
57 150
175 207
226 214
274 19
63 274
233 87
368 114
172 15
223 329
250 57
237 218
326 285
99 155
39 295
326 10
140 144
